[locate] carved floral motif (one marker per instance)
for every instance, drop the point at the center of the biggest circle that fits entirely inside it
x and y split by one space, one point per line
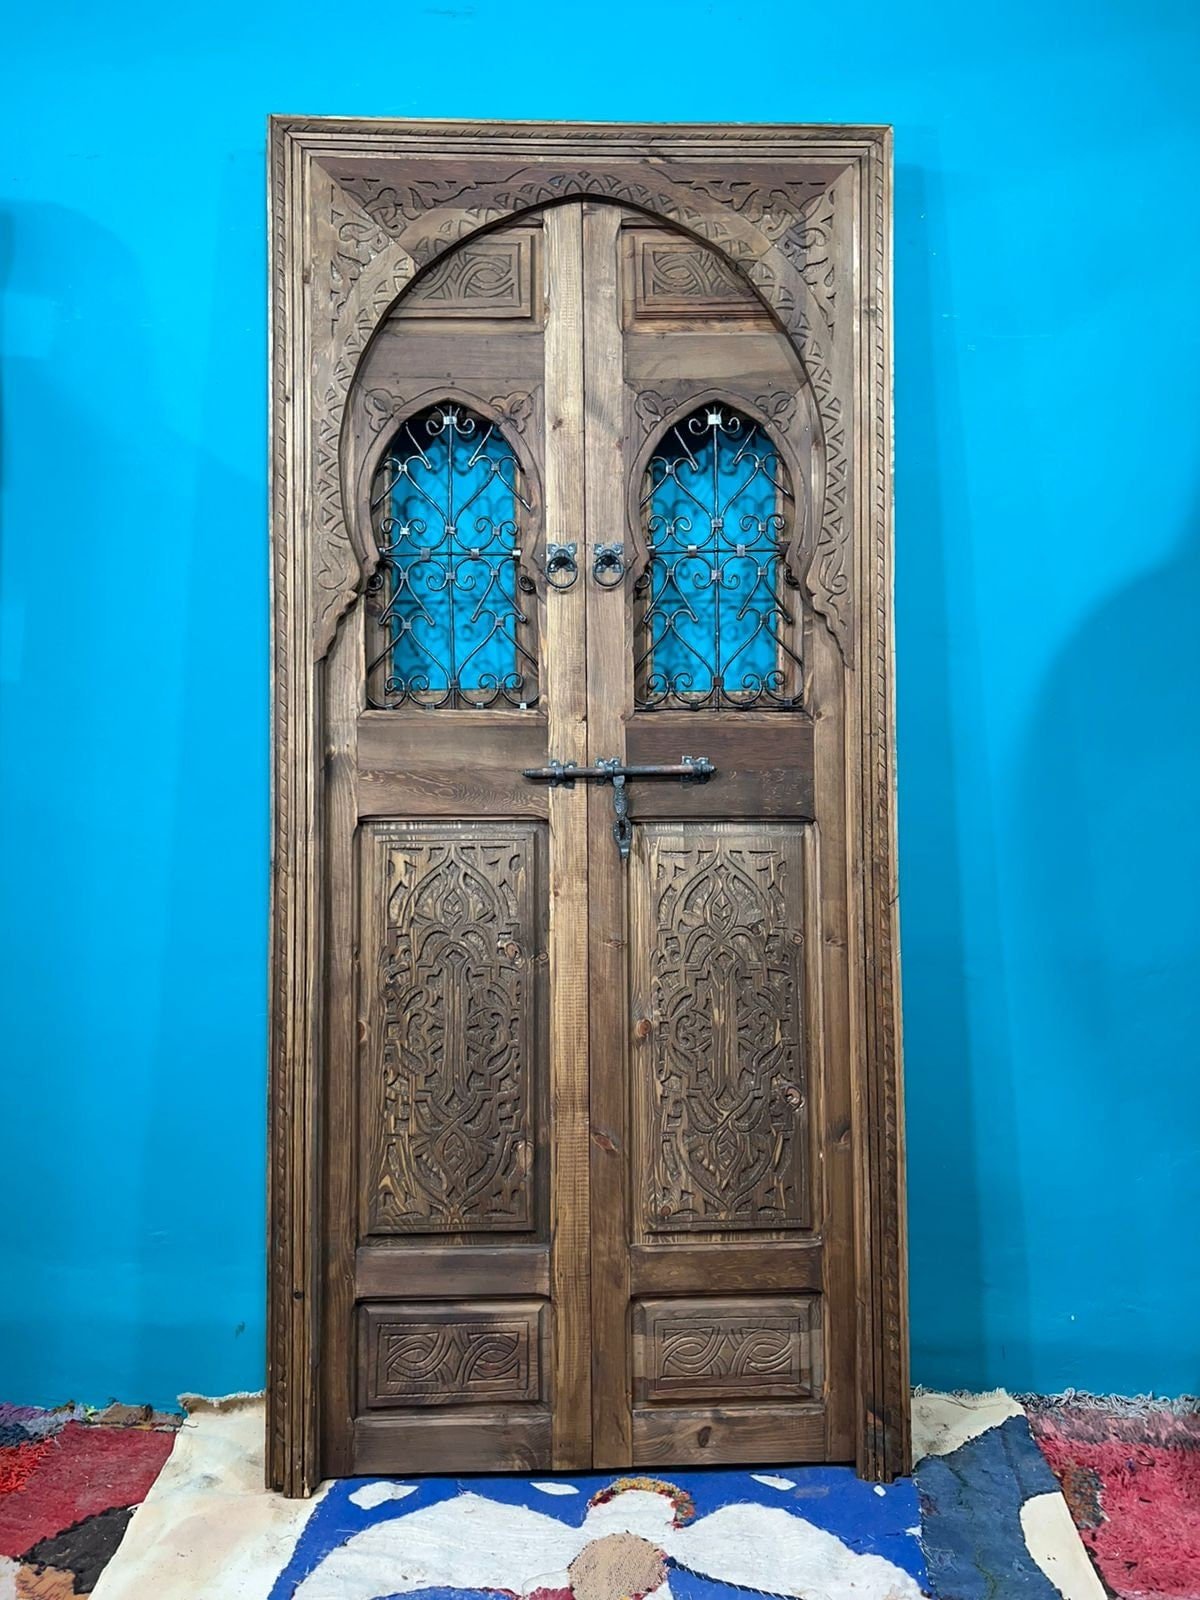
724 1141
454 1008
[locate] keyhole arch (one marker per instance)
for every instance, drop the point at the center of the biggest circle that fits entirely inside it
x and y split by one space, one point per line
719 514
450 614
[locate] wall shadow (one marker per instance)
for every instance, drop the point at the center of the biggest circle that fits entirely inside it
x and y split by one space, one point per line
948 902
1108 896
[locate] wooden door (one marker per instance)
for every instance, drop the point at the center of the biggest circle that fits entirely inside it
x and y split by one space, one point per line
722 1184
456 1318
584 1119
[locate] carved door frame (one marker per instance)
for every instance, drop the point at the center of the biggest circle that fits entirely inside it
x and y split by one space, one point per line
357 208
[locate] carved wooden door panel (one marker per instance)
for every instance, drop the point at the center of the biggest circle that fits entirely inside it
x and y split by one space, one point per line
455 1313
586 1134
722 1185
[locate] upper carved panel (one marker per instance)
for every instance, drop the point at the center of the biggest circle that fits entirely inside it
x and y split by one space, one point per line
670 278
723 1121
453 1028
486 277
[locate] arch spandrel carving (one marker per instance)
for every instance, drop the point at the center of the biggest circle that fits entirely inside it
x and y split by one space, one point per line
387 224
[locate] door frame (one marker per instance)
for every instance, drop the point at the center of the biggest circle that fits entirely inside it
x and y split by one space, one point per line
358 207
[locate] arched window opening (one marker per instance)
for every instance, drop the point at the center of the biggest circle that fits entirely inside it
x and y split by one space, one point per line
713 627
447 622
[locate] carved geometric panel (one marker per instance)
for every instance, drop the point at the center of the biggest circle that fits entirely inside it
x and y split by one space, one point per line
488 277
666 276
452 972
721 1114
742 1349
443 1354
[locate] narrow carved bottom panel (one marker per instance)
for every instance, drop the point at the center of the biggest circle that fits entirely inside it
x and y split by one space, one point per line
727 1350
464 1354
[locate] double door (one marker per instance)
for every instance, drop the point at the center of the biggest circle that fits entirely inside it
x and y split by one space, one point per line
588 1183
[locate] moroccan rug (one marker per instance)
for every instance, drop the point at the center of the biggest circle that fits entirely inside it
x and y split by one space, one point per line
693 1536
983 1519
1130 1473
69 1480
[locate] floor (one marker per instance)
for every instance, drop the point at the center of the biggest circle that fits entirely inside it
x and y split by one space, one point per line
983 1518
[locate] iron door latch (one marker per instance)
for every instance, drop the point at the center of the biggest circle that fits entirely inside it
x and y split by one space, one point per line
565 774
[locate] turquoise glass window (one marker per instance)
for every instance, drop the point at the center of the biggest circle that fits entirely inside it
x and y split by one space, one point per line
713 626
450 626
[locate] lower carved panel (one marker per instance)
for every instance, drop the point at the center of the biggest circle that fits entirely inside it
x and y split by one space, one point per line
451 960
431 1354
721 1112
692 1350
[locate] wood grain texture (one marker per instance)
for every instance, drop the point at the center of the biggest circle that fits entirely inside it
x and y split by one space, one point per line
803 215
479 1440
732 1267
339 1233
725 1435
763 770
433 1272
455 764
609 686
570 974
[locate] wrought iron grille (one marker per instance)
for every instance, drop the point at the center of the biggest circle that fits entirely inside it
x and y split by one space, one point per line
713 627
448 627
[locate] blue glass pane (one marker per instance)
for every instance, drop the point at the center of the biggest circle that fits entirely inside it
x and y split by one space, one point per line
714 627
450 576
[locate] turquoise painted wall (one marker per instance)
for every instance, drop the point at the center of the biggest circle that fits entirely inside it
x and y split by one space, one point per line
1047 359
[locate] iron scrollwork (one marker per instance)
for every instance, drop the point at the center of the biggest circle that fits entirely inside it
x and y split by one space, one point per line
449 626
713 627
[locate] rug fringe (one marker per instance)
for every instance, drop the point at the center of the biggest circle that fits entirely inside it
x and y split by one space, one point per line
1122 1405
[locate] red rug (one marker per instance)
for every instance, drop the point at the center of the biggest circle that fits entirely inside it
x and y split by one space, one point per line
1130 1472
69 1480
